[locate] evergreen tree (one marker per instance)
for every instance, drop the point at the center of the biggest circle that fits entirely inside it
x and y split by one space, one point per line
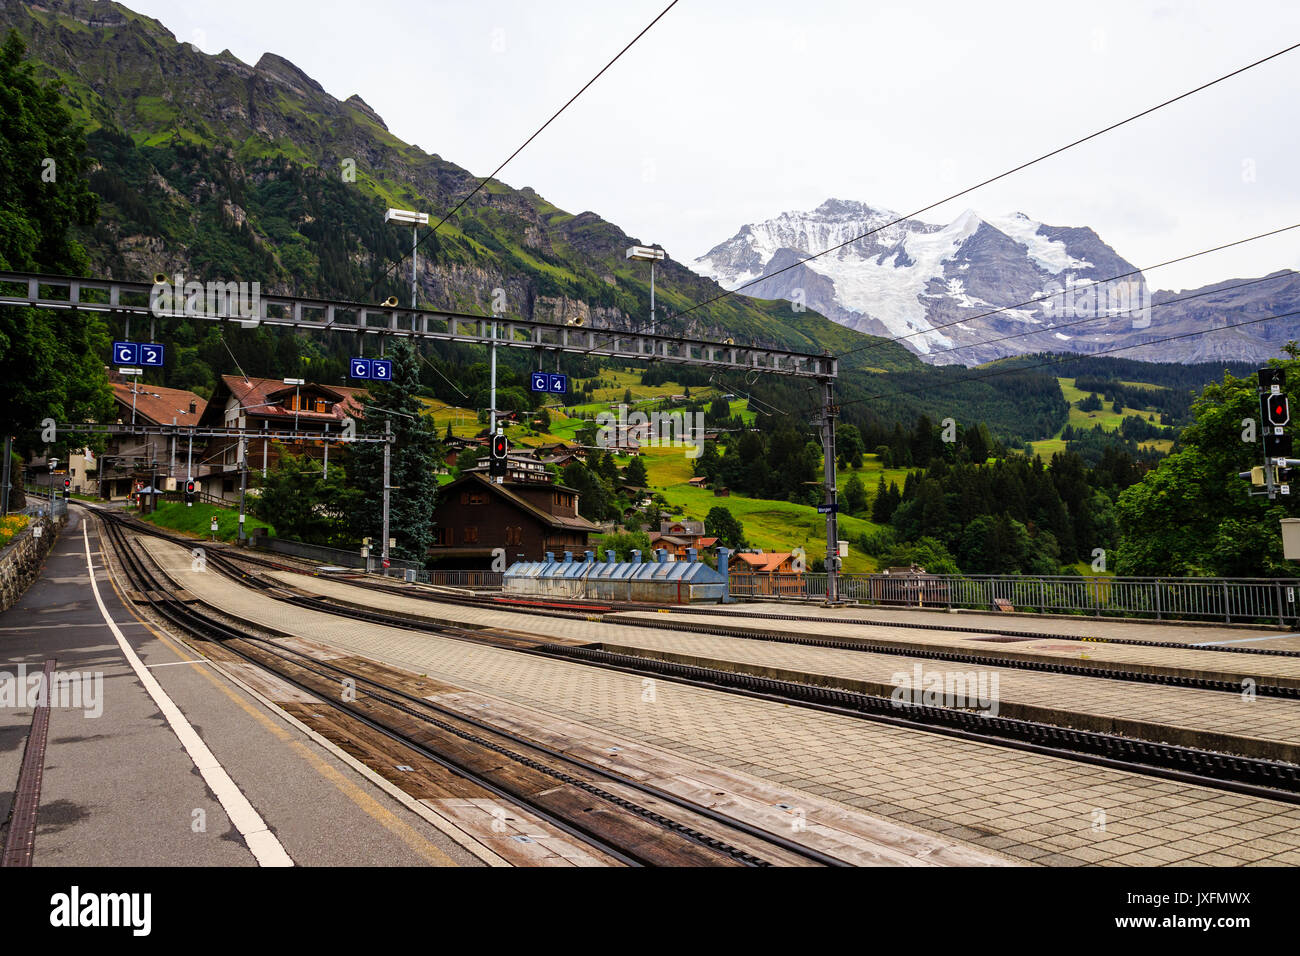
723 525
635 473
855 495
414 455
50 366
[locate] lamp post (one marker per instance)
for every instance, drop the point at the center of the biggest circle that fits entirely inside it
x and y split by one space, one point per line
650 254
135 386
53 463
416 219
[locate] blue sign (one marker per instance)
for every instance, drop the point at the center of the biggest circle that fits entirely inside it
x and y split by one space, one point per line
540 382
558 383
361 368
151 354
125 353
381 370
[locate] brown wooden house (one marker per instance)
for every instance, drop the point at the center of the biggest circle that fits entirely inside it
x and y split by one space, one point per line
474 516
257 403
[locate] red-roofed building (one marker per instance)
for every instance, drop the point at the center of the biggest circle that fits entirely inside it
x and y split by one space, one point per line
129 462
269 404
778 561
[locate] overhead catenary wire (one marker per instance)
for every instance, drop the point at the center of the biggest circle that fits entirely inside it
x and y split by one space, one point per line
1284 274
1010 370
992 179
487 179
1074 289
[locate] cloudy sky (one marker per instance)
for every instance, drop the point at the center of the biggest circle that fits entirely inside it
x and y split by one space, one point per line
732 111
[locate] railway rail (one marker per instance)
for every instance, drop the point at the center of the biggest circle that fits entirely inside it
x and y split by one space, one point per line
1251 775
627 820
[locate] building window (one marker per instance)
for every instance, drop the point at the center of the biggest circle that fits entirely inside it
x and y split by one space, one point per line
477 498
440 537
471 535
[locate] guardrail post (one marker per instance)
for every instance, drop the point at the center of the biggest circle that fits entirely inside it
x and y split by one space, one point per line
1277 592
1227 610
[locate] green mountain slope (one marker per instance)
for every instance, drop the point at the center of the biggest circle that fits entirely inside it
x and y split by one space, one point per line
221 169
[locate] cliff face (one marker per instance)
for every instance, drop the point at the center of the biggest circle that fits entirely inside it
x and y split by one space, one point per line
221 169
936 285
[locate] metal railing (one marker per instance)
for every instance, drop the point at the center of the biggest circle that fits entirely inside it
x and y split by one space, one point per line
38 502
327 555
1225 599
463 579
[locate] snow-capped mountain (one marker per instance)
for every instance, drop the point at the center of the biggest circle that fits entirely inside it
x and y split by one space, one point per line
931 286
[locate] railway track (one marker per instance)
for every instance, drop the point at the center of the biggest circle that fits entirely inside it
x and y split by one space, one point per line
1251 775
626 820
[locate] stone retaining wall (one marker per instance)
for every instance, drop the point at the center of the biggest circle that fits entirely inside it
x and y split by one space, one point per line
21 560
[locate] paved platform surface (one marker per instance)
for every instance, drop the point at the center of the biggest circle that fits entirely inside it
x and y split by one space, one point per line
1170 632
1171 659
119 789
1255 726
1032 807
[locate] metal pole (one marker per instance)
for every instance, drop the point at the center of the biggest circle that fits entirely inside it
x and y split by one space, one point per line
189 457
388 425
492 412
832 525
171 467
652 297
4 495
243 483
325 467
264 450
415 259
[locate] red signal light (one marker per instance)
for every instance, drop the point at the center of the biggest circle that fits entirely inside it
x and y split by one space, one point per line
1279 410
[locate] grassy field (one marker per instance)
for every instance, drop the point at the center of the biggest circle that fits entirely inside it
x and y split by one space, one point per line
1109 420
197 520
770 525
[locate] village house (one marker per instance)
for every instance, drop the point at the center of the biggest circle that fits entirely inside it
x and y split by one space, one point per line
270 404
525 518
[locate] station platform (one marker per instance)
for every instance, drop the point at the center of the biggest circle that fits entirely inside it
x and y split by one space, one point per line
1027 806
1266 727
165 761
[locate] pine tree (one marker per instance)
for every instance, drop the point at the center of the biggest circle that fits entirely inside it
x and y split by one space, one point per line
413 457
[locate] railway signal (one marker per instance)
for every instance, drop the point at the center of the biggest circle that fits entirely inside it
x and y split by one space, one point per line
499 452
191 492
1274 415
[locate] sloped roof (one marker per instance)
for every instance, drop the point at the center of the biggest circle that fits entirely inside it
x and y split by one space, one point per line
566 522
262 397
770 561
159 405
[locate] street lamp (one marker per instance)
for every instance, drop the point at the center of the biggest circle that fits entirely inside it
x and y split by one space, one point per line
650 254
416 219
135 387
53 463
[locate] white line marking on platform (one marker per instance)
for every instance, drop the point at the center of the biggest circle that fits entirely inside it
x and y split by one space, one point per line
1247 640
193 660
266 849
